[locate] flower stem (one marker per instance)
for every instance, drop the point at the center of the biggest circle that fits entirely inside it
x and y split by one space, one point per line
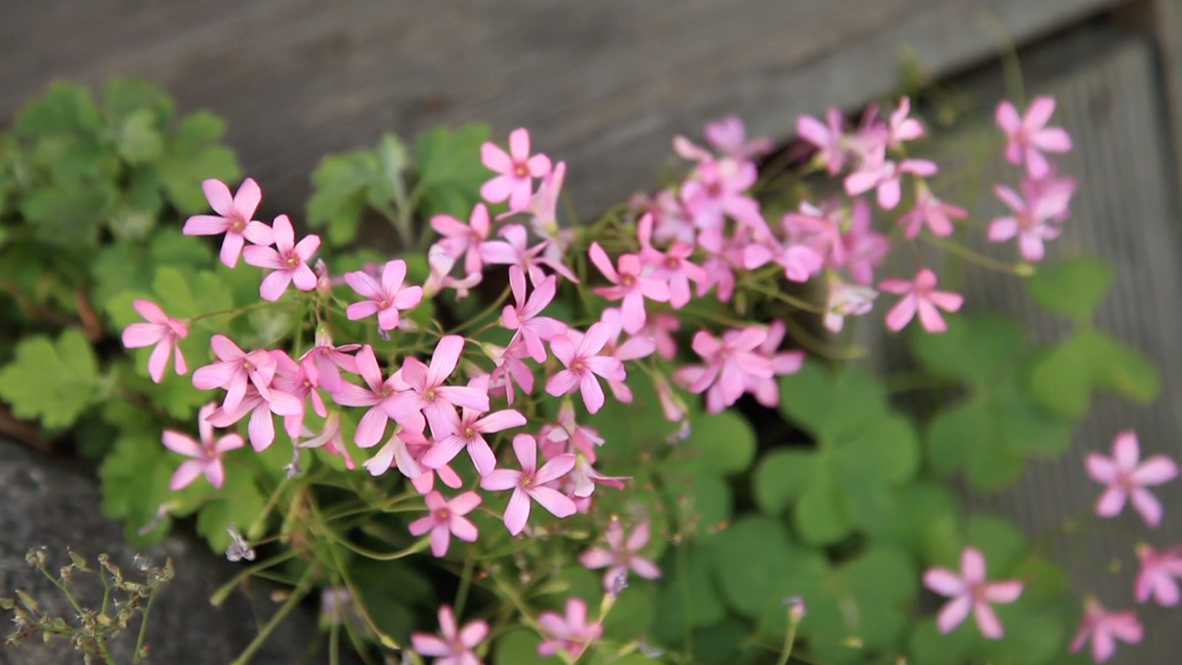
789 639
139 641
293 599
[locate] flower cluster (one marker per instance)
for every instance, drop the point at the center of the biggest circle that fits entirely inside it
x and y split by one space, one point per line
425 396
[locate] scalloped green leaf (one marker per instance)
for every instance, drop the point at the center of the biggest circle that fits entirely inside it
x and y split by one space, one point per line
53 381
782 477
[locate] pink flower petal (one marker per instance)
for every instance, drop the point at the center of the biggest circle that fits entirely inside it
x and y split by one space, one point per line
953 613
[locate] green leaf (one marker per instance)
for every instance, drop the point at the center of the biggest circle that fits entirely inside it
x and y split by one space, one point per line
831 405
974 349
924 520
999 540
450 172
135 482
138 141
341 190
237 505
129 266
782 477
51 381
520 647
724 442
65 109
192 156
687 593
69 215
751 560
929 647
1063 379
823 514
1074 287
885 453
123 97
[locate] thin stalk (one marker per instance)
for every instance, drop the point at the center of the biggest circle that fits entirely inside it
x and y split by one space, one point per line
294 599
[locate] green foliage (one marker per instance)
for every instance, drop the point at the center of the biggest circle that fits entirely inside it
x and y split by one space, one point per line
863 451
1063 379
449 176
54 381
1075 287
998 426
446 180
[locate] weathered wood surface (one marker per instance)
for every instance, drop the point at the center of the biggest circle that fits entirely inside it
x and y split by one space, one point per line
603 84
1110 98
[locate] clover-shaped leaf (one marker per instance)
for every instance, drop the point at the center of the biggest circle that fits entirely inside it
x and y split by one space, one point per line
1063 379
1074 287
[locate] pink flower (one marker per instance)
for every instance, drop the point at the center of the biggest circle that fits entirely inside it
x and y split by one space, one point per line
384 299
631 284
437 401
163 331
622 555
931 211
1028 136
396 452
322 363
516 168
468 432
571 634
884 175
970 592
584 478
901 128
717 192
515 250
288 260
387 398
447 518
731 364
583 363
1157 575
658 328
729 137
1126 477
293 379
826 137
530 483
846 300
864 248
465 240
207 455
329 438
671 266
234 370
456 645
765 388
543 207
636 347
510 369
261 428
922 296
1105 628
566 430
233 218
523 317
1033 221
799 261
820 228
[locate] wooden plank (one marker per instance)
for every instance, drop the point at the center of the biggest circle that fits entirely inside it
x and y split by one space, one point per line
604 84
1109 98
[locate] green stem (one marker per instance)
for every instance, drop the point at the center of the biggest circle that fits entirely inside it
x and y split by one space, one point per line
222 593
496 305
465 583
139 641
294 599
789 639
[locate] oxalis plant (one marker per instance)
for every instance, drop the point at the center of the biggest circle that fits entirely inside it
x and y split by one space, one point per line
523 438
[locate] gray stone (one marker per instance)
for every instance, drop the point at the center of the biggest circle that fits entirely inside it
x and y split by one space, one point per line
47 503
